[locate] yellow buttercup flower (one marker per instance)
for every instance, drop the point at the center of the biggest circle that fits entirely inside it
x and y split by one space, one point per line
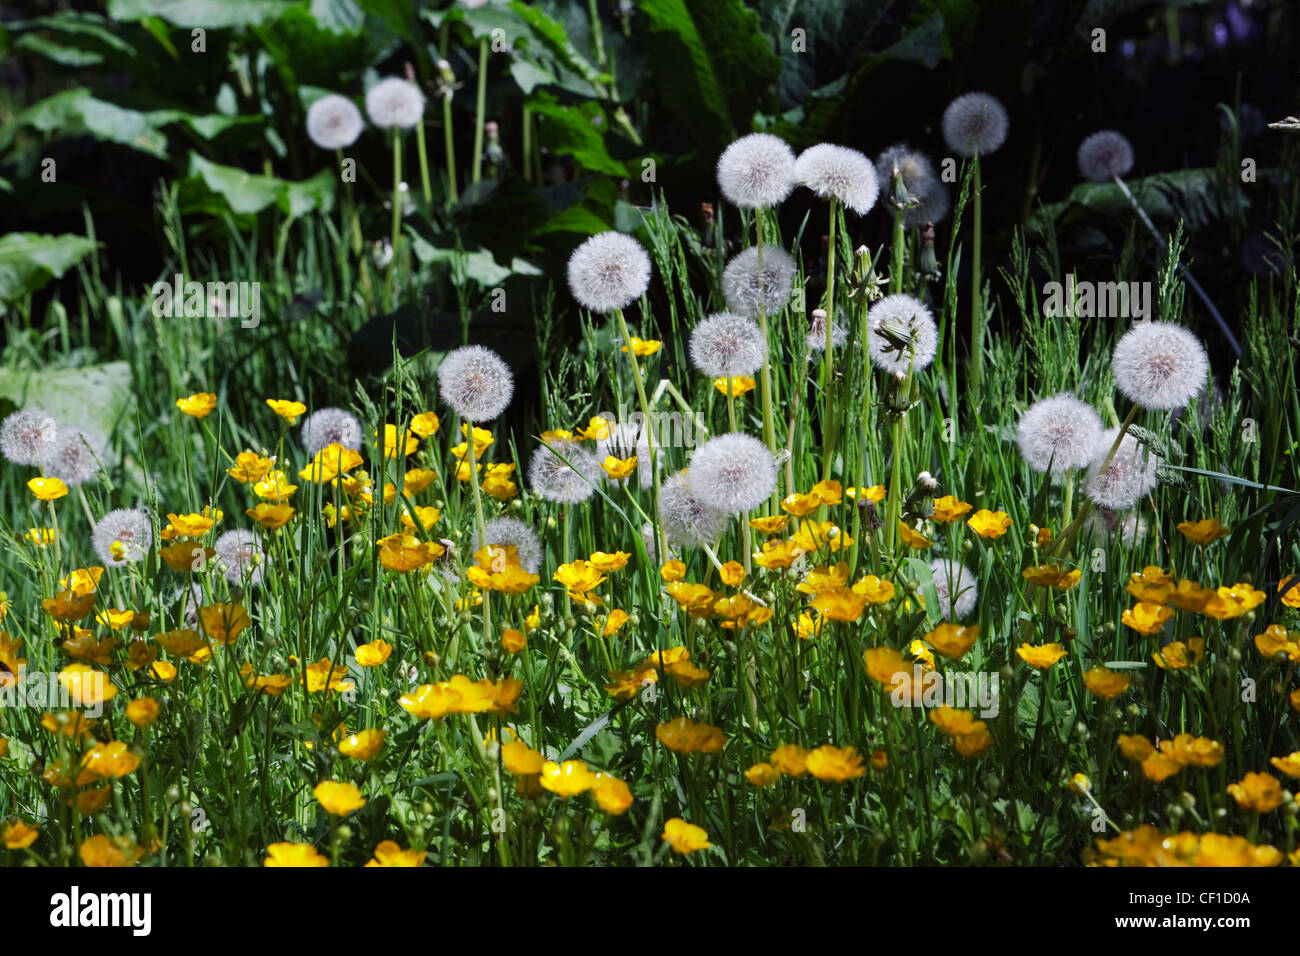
363 744
1276 640
1147 618
110 760
274 486
338 799
912 538
1135 747
952 640
835 764
142 711
406 552
513 641
1158 768
737 385
330 462
617 618
612 795
1042 656
949 509
294 855
580 577
86 686
18 834
598 429
989 524
732 574
390 854
618 468
882 663
287 409
1176 655
566 779
189 526
197 405
774 524
840 604
1289 587
1188 751
105 851
762 775
1257 792
270 516
604 562
1234 601
374 653
1052 576
47 489
642 347
1289 765
1105 683
41 537
1203 532
673 571
790 759
954 722
800 505
684 735
520 759
425 424
430 701
874 589
685 838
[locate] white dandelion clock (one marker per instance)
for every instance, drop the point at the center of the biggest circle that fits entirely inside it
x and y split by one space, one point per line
975 123
956 588
242 556
756 171
837 172
476 383
333 122
331 426
928 199
565 473
26 436
394 102
510 532
73 457
1129 474
733 473
725 344
122 537
1105 155
687 522
609 271
1160 365
750 287
1059 433
901 334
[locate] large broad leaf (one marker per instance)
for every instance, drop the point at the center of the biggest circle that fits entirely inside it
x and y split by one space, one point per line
712 63
77 111
29 260
248 193
94 398
1192 195
578 131
208 14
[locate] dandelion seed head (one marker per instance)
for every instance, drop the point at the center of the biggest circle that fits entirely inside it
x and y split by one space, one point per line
956 587
394 102
26 436
333 122
1104 155
841 173
330 426
504 532
975 123
816 337
609 271
129 529
726 344
1060 433
919 179
1160 365
566 475
901 316
73 457
687 521
756 171
749 288
242 556
1129 475
476 383
733 473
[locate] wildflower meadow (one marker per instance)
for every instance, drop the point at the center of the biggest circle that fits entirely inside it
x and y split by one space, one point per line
455 456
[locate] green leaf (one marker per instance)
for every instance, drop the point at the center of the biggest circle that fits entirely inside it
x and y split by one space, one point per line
208 14
64 55
249 193
29 260
93 398
577 131
77 110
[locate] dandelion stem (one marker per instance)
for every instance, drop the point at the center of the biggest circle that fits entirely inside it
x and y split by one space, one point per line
1064 543
479 108
828 436
976 304
449 139
424 163
765 379
660 547
397 216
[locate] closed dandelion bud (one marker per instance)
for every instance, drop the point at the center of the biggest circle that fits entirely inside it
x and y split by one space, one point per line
426 808
173 793
871 520
1006 674
1081 730
1108 627
465 617
569 622
1133 711
185 808
927 266
1220 813
1234 655
1289 806
345 833
1174 812
447 78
